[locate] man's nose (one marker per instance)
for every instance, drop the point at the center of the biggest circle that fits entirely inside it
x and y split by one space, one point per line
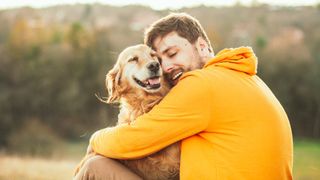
166 66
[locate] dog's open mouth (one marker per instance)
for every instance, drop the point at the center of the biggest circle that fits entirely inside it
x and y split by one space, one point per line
150 83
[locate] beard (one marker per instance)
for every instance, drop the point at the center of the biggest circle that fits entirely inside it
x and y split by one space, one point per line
170 76
174 75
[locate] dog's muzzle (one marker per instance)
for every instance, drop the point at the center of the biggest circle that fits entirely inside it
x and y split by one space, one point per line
153 82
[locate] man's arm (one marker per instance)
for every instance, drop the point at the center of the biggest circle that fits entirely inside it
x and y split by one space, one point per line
185 111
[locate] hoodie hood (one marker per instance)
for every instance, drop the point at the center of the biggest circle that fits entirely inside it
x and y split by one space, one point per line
240 59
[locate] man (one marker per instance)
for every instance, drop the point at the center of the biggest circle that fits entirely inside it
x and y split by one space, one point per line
230 124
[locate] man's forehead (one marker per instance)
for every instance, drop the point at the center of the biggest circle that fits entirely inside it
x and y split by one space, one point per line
172 39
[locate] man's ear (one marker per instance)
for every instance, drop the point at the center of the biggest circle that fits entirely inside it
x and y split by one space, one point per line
202 47
112 84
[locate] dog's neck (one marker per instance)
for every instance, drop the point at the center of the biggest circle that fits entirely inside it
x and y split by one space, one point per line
134 104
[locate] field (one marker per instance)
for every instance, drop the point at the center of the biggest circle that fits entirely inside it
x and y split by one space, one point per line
306 164
59 166
34 168
306 160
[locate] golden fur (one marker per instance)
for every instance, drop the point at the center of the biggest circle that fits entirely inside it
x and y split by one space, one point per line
136 100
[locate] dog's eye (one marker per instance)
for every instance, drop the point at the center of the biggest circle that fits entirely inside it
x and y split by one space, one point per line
153 55
134 59
156 56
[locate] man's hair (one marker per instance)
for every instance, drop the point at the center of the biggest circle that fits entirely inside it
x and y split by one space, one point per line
183 24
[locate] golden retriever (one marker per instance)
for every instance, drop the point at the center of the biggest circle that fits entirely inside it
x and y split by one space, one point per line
136 82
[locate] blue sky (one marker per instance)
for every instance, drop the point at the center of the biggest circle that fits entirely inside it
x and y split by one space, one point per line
155 4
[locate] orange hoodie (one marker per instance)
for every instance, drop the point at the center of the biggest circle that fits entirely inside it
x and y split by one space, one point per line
230 123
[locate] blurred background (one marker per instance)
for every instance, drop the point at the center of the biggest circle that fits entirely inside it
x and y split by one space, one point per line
54 57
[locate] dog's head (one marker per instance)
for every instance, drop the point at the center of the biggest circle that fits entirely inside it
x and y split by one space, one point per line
137 68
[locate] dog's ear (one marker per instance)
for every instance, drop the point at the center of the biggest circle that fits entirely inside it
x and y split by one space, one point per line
113 83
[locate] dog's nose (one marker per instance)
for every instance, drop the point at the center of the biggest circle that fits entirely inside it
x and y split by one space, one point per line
154 66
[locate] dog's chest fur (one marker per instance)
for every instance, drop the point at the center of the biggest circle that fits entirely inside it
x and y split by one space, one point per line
163 165
136 104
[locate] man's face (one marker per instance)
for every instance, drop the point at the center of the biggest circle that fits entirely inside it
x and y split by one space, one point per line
178 56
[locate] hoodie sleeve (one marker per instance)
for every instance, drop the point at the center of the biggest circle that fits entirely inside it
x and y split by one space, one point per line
182 113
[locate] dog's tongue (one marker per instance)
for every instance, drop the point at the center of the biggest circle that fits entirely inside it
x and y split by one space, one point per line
154 81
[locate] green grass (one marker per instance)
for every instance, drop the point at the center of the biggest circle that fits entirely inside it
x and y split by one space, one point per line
62 163
306 164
